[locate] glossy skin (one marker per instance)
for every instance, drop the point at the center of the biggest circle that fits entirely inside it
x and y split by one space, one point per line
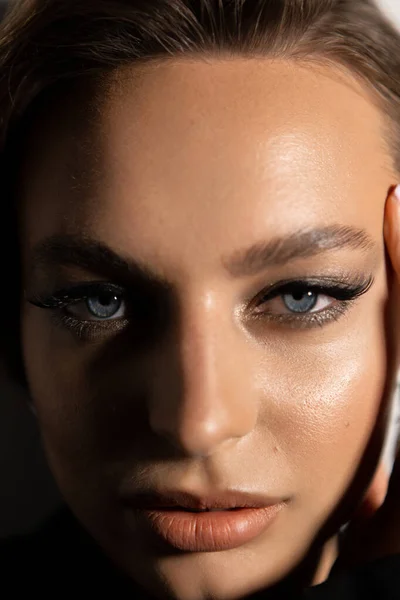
181 167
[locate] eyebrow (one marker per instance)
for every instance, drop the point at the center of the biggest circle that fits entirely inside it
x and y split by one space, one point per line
91 255
301 244
95 256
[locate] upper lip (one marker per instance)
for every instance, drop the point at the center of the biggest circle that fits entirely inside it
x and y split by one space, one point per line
189 501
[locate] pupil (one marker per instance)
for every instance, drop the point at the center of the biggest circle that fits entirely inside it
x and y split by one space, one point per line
299 296
106 299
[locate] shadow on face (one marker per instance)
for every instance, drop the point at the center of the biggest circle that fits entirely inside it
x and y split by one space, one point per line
207 291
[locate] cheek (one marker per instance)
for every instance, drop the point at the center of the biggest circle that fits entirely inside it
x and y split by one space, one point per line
90 410
327 408
58 387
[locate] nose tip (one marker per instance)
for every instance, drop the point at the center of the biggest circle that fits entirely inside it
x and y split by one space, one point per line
200 438
200 399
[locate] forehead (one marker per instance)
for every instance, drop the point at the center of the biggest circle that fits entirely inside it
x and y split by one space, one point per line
191 151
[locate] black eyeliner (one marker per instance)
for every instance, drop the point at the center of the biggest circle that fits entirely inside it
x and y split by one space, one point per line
338 289
345 289
62 298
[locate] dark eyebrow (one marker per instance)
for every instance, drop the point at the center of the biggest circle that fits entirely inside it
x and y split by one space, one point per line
302 244
93 255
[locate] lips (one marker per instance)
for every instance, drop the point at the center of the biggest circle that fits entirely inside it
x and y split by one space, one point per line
214 523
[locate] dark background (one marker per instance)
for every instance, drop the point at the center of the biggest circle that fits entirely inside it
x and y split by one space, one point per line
27 491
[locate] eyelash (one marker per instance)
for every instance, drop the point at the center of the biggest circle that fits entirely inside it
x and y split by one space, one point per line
59 301
344 292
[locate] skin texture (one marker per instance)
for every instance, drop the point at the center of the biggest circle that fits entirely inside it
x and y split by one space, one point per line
181 166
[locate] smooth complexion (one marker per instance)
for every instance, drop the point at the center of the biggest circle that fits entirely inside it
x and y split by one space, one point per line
203 380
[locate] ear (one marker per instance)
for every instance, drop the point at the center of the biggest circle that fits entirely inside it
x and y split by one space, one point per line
375 494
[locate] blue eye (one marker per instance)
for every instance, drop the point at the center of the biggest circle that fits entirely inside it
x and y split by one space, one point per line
88 302
300 301
104 306
97 307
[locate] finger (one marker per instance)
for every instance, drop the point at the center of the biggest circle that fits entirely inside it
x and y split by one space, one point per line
392 229
375 495
392 243
368 536
384 534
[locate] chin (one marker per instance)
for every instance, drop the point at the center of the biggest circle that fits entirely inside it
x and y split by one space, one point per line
224 575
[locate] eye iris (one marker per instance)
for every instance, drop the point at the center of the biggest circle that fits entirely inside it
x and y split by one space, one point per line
104 306
300 302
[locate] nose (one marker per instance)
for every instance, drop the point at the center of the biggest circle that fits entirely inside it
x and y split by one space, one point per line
202 393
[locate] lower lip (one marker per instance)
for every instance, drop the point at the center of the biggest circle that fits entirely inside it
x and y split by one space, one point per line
211 531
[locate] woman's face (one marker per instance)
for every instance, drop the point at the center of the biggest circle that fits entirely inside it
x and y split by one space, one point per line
236 206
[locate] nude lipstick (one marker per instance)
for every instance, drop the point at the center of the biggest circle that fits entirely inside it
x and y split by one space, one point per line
207 524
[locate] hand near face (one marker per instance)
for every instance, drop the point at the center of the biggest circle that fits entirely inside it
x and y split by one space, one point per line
375 531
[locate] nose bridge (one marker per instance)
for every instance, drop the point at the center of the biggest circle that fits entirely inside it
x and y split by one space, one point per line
205 397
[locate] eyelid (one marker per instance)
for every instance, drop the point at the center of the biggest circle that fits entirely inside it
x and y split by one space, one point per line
76 293
295 286
344 286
